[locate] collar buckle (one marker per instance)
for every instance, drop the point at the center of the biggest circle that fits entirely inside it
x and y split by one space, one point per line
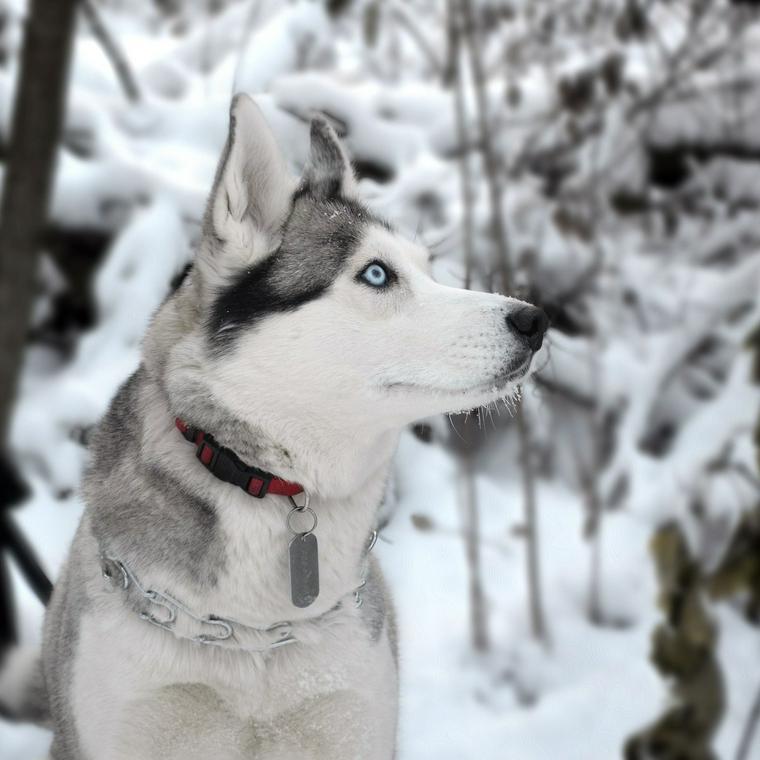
227 466
258 484
208 453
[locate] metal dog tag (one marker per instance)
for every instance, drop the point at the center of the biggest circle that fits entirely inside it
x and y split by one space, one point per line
304 569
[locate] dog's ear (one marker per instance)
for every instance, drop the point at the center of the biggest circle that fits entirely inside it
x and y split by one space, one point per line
251 195
328 171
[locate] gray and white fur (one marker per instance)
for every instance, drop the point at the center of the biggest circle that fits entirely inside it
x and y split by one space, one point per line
288 346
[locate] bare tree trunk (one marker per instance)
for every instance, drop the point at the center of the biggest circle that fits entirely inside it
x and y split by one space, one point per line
478 616
594 505
535 596
742 753
588 464
469 496
35 134
594 515
504 268
468 196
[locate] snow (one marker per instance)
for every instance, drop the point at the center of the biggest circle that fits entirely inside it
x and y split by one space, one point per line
276 47
459 694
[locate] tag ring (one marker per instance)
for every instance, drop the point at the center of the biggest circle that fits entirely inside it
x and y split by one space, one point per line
302 510
300 507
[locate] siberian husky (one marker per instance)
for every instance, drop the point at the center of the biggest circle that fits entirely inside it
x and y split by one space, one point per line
220 598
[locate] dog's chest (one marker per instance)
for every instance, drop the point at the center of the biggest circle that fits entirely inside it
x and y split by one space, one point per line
134 675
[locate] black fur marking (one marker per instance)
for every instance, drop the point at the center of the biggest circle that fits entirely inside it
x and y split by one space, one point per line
252 296
318 238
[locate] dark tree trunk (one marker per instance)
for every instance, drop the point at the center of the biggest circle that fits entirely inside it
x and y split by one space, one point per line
35 134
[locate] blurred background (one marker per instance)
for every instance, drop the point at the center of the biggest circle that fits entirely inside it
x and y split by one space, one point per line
578 573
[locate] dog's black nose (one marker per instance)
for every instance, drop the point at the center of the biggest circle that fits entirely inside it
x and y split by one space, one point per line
531 323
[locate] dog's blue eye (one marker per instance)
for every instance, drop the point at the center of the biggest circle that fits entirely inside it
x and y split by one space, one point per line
375 275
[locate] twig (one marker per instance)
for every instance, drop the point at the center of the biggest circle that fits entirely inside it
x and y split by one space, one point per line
408 23
568 393
490 159
118 60
537 617
478 618
468 196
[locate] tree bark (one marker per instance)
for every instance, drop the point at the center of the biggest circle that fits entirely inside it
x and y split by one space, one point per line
753 719
35 134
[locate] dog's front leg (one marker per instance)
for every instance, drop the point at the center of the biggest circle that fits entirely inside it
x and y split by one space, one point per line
180 722
339 725
191 722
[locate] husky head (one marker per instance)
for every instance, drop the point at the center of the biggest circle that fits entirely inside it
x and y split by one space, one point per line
305 308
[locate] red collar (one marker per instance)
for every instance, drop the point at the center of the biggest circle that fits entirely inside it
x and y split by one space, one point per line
227 466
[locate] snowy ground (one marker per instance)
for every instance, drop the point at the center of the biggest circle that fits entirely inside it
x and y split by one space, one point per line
578 700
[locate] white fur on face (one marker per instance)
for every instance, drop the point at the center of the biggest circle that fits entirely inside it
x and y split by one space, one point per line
379 357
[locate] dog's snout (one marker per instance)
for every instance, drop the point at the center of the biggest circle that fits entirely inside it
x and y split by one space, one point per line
531 323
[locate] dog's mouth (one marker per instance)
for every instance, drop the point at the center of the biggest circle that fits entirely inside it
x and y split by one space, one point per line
495 386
